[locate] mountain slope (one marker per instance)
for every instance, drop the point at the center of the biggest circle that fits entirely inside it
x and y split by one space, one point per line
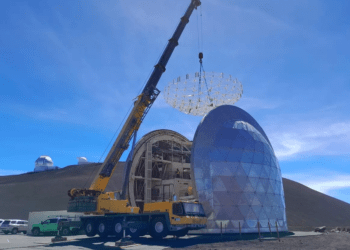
307 208
47 191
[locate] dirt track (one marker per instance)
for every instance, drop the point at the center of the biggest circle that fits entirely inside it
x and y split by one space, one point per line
324 241
339 241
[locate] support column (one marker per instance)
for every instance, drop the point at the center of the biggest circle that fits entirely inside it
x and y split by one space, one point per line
148 173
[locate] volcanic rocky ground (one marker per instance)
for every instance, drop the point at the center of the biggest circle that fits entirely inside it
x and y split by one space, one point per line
47 191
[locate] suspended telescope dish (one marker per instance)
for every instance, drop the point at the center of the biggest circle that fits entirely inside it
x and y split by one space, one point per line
197 94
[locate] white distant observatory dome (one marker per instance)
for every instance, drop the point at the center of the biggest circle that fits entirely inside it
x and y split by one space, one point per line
82 160
44 163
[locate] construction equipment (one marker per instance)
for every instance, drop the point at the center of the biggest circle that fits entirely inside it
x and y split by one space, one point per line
160 218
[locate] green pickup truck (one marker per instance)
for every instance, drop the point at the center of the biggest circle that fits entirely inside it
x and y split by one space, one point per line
49 226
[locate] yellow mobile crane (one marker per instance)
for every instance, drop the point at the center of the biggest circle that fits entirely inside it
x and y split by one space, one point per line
111 213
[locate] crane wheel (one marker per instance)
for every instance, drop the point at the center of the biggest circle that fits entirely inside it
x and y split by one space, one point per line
36 231
158 229
65 231
118 229
181 233
90 228
102 229
133 232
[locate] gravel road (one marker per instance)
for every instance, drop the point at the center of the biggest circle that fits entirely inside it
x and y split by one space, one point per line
297 240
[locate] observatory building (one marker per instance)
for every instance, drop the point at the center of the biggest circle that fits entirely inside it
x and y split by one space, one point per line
230 165
237 175
44 163
83 161
160 168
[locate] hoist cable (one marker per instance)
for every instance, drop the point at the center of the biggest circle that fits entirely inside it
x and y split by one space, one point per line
200 78
205 81
200 50
198 33
201 27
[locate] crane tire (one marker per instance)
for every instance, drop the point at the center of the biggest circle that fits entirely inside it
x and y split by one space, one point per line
133 232
117 229
181 233
36 231
158 229
90 228
102 229
65 231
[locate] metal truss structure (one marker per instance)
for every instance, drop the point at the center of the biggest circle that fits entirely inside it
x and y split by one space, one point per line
197 94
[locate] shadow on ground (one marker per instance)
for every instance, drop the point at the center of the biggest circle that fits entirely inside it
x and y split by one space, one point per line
89 243
205 239
98 243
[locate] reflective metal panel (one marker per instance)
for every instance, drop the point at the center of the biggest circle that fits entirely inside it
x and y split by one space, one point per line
237 175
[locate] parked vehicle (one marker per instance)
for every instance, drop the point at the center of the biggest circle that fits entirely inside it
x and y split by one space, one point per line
14 226
50 226
1 221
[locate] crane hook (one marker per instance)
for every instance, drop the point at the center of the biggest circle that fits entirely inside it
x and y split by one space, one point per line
200 57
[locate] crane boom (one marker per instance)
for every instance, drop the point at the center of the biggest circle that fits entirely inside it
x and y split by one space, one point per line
138 113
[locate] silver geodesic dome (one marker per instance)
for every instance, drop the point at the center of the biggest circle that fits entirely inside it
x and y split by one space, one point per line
237 175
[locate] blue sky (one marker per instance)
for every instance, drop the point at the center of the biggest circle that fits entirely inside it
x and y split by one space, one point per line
69 71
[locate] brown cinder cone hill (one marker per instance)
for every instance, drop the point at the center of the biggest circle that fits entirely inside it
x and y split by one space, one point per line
47 191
